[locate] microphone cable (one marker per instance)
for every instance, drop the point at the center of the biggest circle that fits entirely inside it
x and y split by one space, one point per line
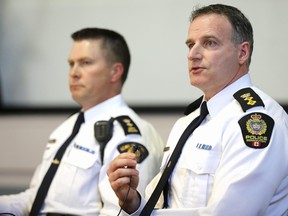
124 202
134 149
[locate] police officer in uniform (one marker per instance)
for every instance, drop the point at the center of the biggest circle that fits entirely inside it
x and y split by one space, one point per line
236 161
99 63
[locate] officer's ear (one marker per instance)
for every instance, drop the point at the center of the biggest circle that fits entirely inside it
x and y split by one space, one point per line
244 52
116 72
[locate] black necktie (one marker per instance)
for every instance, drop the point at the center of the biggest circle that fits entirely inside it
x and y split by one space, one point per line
46 182
173 160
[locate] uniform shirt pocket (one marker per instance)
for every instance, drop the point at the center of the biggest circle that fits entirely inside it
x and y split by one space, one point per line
194 177
82 156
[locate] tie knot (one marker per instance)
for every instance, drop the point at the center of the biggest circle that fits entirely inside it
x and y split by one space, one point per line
204 109
80 118
78 122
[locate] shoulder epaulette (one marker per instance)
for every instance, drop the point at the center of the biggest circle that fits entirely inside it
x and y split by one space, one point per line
248 98
128 125
103 130
193 106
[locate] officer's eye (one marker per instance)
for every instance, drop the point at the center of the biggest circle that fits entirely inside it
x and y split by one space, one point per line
71 64
210 44
190 45
86 62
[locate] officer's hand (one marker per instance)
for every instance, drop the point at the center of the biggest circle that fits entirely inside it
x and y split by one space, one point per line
122 174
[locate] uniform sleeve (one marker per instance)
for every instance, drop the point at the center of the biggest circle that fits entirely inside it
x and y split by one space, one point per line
20 204
248 179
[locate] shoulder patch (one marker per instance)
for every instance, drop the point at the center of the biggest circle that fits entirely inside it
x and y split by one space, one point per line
248 98
256 129
128 125
137 148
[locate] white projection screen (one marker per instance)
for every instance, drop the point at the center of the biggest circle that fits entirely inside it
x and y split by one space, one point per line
35 43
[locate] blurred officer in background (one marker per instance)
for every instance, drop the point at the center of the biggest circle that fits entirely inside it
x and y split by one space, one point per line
99 63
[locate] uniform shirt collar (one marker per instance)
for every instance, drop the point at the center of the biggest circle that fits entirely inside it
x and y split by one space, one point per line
217 102
105 108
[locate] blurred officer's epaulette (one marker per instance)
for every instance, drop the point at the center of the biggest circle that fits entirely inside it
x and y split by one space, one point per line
128 125
103 130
